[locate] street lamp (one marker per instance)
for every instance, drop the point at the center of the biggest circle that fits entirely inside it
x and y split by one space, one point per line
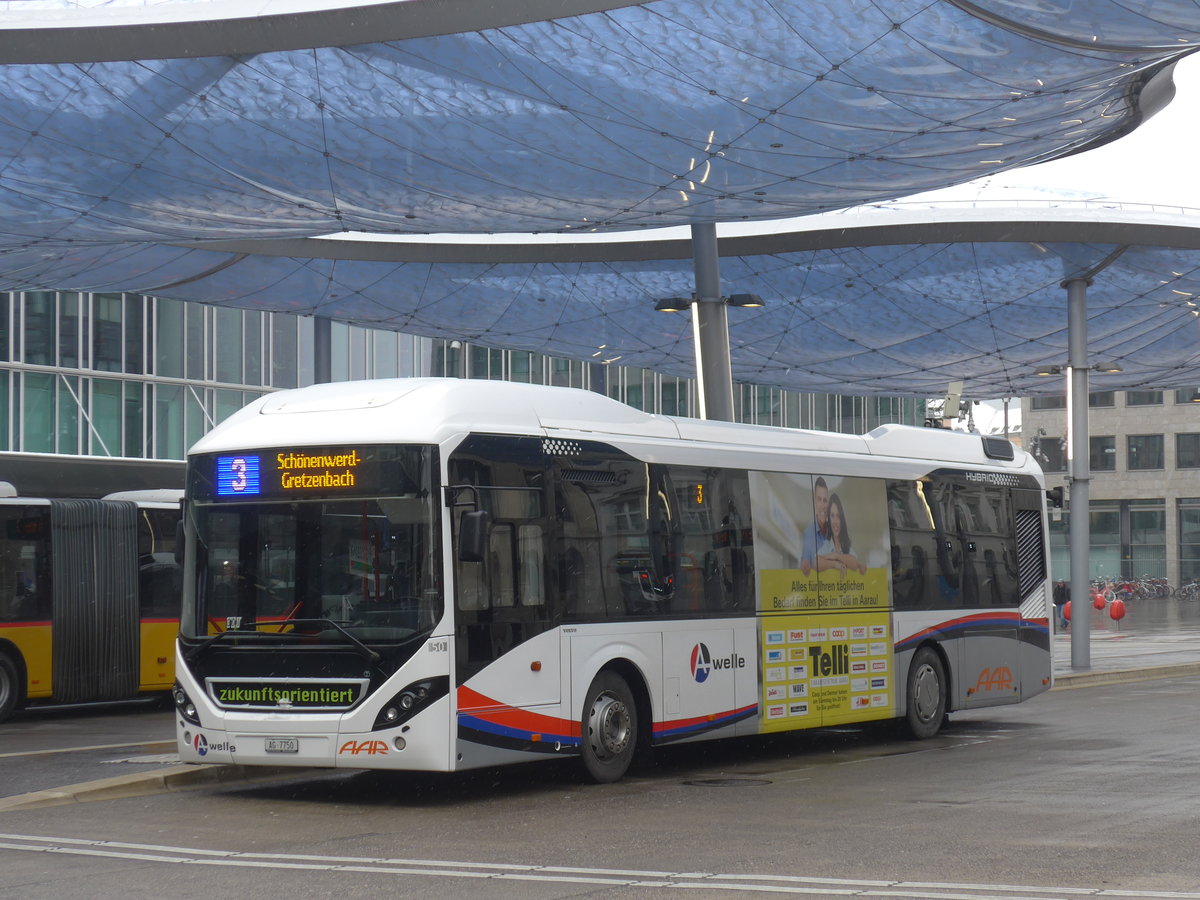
738 301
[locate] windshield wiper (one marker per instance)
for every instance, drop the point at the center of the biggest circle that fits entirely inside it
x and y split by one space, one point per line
370 655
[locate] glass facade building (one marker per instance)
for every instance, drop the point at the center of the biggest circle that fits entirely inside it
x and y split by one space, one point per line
1143 511
124 375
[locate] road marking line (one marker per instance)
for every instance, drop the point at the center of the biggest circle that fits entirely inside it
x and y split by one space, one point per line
145 744
749 882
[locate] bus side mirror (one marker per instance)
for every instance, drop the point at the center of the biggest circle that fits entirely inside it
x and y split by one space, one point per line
1054 497
473 535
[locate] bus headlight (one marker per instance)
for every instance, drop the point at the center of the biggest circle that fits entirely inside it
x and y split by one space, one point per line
184 705
411 700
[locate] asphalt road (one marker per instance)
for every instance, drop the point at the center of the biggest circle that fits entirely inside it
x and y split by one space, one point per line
1085 791
47 747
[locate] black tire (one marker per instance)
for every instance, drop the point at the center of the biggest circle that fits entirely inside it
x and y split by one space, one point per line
12 691
925 709
609 728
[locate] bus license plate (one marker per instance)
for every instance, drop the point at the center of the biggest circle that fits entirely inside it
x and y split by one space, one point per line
283 745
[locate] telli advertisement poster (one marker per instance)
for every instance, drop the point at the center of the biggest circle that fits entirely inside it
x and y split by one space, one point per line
822 555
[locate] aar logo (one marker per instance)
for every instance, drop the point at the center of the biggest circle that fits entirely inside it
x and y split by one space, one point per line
371 748
999 679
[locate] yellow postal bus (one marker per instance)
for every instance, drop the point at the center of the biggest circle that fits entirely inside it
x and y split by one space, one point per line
89 597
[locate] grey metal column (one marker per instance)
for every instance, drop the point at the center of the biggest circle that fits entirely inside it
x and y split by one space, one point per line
322 350
710 329
1080 472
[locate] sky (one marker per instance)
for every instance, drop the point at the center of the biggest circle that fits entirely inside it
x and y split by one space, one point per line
1154 164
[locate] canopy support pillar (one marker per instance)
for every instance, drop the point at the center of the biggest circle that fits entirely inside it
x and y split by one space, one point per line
322 349
1079 471
710 328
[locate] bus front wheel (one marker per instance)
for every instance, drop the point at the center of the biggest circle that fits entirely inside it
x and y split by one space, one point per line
10 686
609 728
926 694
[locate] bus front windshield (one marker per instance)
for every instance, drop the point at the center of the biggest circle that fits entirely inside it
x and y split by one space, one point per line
366 566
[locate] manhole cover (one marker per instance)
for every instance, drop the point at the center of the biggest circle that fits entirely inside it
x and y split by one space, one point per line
727 782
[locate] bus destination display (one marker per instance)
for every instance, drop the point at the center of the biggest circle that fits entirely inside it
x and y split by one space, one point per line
273 474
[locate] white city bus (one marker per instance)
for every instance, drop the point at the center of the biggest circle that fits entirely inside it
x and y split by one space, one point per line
440 574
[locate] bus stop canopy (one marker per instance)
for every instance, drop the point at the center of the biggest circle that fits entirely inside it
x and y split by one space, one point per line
191 151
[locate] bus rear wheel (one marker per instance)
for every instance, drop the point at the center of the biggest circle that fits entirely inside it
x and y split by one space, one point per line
609 733
926 708
10 686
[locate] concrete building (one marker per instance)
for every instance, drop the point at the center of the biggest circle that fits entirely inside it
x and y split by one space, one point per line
1145 489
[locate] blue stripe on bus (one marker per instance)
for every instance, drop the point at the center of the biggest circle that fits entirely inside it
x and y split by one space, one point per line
664 732
483 725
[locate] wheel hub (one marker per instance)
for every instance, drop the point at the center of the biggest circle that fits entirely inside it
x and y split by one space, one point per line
609 727
926 693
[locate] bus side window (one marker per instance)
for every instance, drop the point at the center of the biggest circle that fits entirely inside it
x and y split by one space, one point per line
24 563
580 584
472 585
500 566
160 576
1001 586
664 584
603 548
531 566
915 584
713 568
948 576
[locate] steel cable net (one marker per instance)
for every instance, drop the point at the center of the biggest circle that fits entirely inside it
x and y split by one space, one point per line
669 112
882 320
664 113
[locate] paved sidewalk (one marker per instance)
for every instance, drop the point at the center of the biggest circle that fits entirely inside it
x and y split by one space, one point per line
1156 638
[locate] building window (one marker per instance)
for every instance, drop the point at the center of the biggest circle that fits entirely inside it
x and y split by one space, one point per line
1102 455
1102 398
1050 453
108 339
1188 395
1189 539
168 338
1143 398
1147 550
1058 402
1104 517
1145 451
1187 451
40 332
